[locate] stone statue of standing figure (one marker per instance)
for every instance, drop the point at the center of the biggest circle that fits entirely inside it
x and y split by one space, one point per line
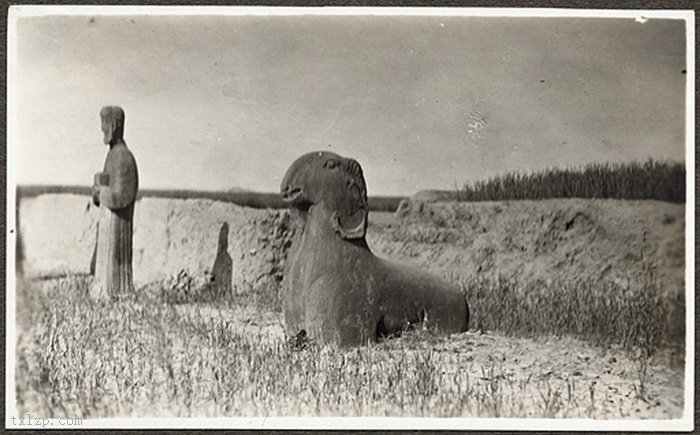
114 191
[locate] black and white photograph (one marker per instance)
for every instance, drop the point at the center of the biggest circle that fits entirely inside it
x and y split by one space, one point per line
350 217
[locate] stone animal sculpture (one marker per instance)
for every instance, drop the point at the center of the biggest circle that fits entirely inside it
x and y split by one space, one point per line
114 191
334 288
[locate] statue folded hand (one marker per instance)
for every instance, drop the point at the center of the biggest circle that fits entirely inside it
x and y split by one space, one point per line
101 179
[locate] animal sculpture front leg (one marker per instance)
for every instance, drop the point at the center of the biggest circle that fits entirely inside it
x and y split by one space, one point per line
345 318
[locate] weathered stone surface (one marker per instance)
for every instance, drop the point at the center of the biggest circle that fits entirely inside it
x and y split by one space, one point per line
404 208
334 287
114 191
222 270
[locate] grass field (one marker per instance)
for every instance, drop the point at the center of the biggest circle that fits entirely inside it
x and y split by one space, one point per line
638 314
147 357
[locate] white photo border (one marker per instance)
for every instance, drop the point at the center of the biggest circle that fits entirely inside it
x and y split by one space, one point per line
685 423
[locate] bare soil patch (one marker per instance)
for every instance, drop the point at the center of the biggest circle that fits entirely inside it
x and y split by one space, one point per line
575 239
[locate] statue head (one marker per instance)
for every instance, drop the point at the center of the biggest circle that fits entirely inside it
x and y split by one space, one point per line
326 180
112 124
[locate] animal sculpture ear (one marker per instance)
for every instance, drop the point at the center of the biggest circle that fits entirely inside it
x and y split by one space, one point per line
351 220
346 229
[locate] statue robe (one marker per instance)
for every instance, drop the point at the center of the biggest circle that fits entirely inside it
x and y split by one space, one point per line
113 269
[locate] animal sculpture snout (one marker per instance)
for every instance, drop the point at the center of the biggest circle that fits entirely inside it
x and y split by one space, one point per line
291 194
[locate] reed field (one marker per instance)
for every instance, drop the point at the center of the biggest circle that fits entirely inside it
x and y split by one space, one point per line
659 180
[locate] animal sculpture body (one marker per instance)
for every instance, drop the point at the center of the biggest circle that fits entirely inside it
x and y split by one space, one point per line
335 289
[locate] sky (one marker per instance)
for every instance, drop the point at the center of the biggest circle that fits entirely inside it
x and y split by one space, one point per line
422 102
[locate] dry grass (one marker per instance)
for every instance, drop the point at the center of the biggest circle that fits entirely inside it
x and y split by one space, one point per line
140 357
637 314
144 356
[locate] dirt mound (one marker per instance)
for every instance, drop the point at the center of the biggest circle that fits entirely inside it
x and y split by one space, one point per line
529 241
594 240
172 238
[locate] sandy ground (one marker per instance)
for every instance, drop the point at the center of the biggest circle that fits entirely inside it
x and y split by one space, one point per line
583 381
590 382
